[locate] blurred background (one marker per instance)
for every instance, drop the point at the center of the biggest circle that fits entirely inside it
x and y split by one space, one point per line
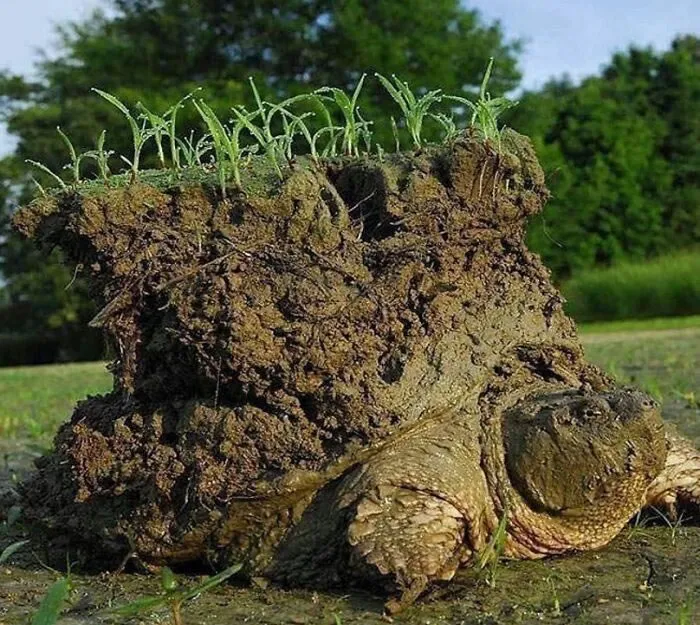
609 93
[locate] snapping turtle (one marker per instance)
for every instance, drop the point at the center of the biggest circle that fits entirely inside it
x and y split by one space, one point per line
352 374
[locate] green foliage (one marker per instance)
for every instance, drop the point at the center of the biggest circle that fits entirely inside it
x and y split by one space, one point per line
172 596
226 143
277 139
101 156
50 609
486 110
665 287
139 132
354 126
622 155
414 110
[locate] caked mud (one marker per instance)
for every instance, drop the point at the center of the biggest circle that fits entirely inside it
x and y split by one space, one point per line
280 348
265 338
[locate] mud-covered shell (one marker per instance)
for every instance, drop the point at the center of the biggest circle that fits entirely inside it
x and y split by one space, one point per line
266 337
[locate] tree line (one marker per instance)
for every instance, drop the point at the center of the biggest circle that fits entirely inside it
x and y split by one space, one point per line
621 149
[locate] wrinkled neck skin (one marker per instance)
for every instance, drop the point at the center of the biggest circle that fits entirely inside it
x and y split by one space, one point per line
533 533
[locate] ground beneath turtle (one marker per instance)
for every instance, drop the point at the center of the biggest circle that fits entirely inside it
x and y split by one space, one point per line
648 575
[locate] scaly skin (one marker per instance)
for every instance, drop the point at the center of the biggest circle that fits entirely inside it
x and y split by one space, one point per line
678 484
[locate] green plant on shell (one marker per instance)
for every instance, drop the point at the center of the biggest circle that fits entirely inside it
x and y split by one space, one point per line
486 110
274 130
414 109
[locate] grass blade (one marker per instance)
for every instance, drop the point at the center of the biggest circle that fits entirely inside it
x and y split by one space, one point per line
138 606
215 580
8 552
138 134
52 604
74 158
46 170
222 142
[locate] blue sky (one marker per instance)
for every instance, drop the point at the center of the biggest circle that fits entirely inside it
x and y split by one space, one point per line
572 37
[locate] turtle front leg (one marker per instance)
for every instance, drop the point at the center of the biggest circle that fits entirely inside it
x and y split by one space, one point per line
678 484
412 507
407 537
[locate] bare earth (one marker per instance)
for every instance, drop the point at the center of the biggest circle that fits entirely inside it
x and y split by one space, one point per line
648 575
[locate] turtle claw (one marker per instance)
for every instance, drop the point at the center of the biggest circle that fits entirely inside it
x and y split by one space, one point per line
408 597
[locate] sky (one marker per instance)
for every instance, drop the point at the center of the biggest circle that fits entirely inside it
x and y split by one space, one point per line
574 37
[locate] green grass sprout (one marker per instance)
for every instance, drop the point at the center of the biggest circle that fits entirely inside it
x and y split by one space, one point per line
193 151
172 128
491 554
486 110
349 109
227 146
414 110
101 156
293 125
448 125
50 608
172 596
262 135
139 133
75 158
10 550
329 128
158 128
277 147
46 170
165 125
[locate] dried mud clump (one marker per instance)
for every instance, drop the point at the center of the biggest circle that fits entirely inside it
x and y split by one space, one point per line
268 338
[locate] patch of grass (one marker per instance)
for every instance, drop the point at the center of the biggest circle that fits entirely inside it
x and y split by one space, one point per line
640 325
667 286
172 596
273 128
34 401
667 366
51 605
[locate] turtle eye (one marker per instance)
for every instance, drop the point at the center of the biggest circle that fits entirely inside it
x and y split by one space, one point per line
590 412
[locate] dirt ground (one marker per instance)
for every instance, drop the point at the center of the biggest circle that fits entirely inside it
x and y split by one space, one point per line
648 575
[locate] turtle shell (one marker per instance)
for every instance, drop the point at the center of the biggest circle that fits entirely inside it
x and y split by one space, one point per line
266 339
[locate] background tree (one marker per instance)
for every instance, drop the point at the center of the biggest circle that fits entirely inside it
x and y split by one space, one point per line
623 155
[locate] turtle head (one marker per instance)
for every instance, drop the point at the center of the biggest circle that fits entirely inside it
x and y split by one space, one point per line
583 454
